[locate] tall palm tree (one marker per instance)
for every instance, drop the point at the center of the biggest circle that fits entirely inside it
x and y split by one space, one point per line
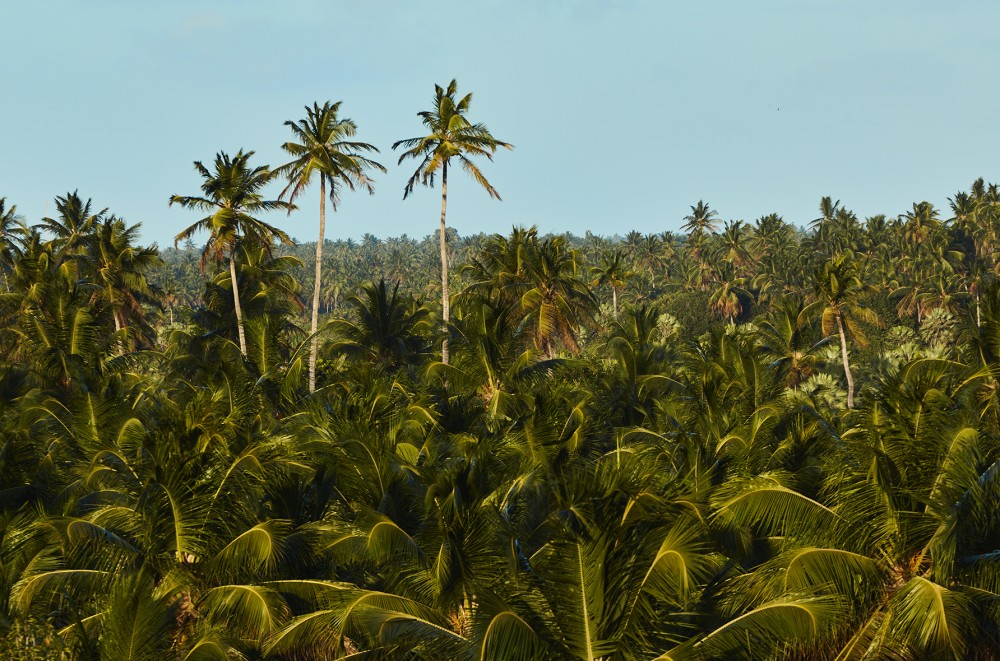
838 286
450 134
729 296
920 223
702 221
322 147
231 194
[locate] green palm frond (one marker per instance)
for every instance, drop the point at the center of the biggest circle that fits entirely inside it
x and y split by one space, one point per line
770 627
253 612
767 502
137 625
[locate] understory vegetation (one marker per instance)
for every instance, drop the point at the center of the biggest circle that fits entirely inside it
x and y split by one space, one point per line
746 440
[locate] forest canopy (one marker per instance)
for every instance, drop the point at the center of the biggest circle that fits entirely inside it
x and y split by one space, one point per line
741 440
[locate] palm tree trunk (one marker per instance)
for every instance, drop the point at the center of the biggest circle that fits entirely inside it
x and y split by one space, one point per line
614 300
316 286
236 302
847 365
171 308
445 313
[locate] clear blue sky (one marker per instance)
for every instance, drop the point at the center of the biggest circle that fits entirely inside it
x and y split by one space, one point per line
623 113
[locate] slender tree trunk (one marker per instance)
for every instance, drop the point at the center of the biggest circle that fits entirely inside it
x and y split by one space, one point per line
317 285
614 300
445 304
115 316
171 308
847 365
236 302
979 322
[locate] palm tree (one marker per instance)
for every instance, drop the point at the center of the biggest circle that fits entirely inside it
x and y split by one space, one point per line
786 338
838 287
920 223
11 227
731 248
702 220
730 294
699 224
73 224
231 194
612 271
450 135
558 302
827 211
120 267
390 330
322 146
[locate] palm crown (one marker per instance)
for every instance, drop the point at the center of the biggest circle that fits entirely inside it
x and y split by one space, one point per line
231 194
450 134
321 147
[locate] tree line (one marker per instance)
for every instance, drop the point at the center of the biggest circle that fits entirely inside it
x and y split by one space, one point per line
745 440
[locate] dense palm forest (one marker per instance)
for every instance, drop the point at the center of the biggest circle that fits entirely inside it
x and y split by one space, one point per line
745 440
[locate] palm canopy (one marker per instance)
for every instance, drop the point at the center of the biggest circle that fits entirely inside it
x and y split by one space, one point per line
838 288
321 146
614 271
231 193
73 222
449 135
702 219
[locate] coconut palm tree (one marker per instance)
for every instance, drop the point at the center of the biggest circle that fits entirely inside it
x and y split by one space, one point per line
322 146
700 224
11 227
231 193
120 268
612 271
786 338
391 328
702 220
450 135
729 295
74 222
838 287
558 303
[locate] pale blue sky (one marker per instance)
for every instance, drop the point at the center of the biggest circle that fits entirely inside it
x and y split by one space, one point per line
623 113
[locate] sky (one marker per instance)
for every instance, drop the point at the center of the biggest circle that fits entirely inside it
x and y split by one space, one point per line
623 114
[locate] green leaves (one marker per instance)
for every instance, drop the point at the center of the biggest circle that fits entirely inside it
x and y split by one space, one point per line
767 502
932 620
449 134
770 627
136 625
